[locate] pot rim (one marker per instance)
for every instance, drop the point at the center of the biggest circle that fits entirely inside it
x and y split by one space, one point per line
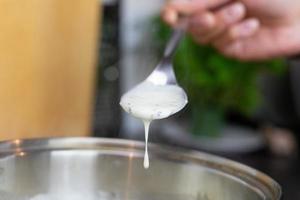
254 179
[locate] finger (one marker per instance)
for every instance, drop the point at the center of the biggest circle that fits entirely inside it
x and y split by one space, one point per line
266 43
206 27
256 47
230 14
245 50
244 29
202 24
187 7
169 15
174 9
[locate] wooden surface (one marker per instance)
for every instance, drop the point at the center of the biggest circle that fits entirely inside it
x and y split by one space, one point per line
47 64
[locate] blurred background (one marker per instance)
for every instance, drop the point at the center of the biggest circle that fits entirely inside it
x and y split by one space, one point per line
65 64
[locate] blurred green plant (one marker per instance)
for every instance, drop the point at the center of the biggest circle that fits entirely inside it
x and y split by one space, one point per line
214 80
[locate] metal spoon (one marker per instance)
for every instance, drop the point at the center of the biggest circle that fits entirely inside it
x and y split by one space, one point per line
162 77
163 74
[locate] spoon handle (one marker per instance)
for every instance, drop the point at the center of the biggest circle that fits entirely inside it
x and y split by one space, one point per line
175 38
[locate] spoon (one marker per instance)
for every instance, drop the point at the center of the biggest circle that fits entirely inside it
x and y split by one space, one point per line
163 74
159 96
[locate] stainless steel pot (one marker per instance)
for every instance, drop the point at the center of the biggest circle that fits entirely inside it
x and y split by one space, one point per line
111 169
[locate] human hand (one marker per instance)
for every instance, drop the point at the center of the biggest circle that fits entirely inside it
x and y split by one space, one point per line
245 29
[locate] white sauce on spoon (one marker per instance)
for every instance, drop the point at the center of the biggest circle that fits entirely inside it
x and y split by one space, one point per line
149 102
